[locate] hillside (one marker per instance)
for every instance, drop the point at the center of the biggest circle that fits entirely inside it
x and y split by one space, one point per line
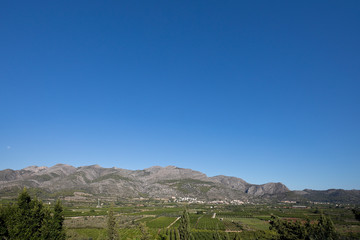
161 182
157 182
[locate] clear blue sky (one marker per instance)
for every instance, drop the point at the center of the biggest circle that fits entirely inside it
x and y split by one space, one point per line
263 90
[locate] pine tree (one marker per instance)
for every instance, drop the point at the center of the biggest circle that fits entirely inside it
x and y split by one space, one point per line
111 225
52 224
324 229
58 221
21 222
30 219
24 200
4 233
184 228
47 231
35 222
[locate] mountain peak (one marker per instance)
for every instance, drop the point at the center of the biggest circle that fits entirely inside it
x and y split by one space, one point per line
35 169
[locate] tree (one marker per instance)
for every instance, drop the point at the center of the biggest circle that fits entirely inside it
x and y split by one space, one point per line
30 219
164 234
216 235
184 228
227 237
323 230
26 218
111 225
24 200
4 233
36 219
145 235
172 234
287 230
177 234
20 220
356 213
47 231
58 221
237 237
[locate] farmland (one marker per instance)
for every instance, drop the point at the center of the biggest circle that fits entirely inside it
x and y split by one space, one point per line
248 221
161 218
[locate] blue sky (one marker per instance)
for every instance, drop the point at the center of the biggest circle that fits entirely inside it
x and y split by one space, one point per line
263 90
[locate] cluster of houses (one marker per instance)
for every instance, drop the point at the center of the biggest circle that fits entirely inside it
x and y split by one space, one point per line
215 202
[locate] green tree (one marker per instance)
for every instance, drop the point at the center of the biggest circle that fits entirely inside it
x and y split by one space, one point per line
47 231
30 219
4 233
287 230
24 200
216 235
227 237
36 219
58 221
177 234
324 229
19 224
54 220
172 234
52 226
26 219
111 225
356 213
237 237
164 234
184 227
145 235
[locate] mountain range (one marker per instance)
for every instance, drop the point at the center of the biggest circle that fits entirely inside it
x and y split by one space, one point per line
157 182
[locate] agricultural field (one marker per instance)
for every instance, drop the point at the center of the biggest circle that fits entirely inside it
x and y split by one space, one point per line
206 221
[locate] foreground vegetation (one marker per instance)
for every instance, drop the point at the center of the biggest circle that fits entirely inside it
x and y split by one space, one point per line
27 218
30 219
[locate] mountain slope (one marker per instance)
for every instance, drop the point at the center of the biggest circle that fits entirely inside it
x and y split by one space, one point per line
152 182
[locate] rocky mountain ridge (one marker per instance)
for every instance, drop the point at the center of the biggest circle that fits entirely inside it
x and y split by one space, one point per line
151 182
157 182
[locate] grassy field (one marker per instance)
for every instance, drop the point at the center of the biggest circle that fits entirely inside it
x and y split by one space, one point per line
253 223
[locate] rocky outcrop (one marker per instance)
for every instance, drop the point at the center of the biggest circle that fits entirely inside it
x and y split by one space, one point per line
268 188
